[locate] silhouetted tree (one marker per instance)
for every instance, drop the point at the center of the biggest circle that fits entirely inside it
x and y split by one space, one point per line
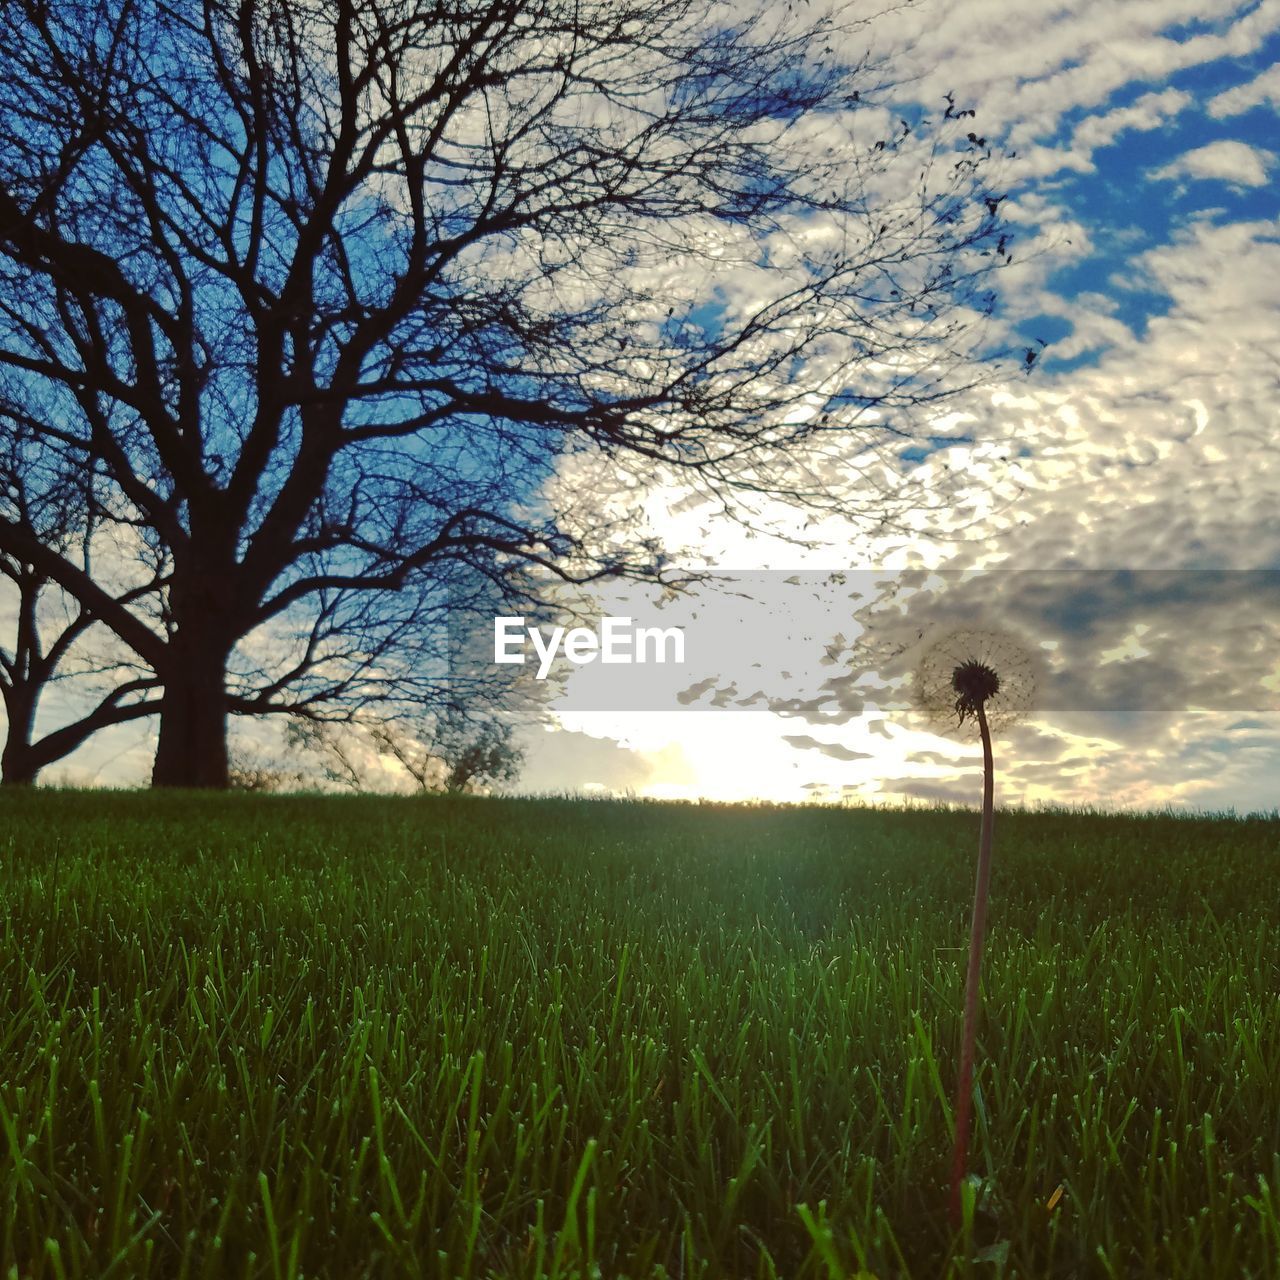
48 626
325 291
452 752
481 757
460 736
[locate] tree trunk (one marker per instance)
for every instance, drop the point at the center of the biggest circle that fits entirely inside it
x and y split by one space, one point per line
18 769
192 751
18 766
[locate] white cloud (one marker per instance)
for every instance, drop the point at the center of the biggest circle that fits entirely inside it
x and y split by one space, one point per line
1265 88
1158 455
1226 160
1149 112
1028 69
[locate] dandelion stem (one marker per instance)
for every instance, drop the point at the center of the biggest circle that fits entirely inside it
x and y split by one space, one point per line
964 1087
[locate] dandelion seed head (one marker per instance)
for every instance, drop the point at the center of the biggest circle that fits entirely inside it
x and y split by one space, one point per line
964 670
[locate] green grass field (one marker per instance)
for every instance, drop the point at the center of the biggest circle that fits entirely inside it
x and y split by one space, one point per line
285 1037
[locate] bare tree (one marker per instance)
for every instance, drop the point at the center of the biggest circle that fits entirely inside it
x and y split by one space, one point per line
338 752
480 757
459 750
49 627
452 752
326 290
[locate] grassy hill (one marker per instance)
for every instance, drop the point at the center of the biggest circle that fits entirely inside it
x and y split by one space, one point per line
285 1037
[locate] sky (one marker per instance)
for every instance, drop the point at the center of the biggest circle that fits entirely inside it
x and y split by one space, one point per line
1145 440
1111 512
